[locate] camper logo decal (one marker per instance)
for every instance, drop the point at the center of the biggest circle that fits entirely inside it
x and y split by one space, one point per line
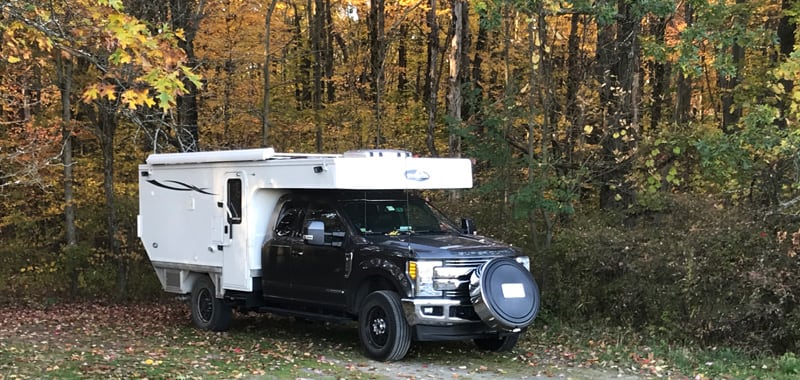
181 186
417 175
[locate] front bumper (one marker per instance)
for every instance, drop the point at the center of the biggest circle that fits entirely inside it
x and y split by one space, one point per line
438 312
440 319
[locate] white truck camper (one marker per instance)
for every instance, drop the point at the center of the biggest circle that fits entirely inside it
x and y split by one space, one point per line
331 237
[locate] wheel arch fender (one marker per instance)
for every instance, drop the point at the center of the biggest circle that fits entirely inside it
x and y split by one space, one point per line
377 274
216 279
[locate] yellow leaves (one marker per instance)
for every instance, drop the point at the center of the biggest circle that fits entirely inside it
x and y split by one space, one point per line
135 98
12 59
99 91
90 94
131 98
115 4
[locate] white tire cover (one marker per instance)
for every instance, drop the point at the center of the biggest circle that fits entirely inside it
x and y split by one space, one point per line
504 294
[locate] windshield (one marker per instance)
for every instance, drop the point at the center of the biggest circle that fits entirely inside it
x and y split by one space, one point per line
396 216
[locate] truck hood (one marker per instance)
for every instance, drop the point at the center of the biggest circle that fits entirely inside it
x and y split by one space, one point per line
435 246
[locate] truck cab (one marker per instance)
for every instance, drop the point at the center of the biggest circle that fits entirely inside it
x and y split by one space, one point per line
333 250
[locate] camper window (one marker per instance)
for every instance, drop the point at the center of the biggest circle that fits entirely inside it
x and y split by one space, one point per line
234 201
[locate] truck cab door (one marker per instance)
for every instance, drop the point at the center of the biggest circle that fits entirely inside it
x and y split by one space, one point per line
322 259
279 260
235 274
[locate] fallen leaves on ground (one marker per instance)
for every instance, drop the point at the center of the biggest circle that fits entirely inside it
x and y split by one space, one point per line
144 341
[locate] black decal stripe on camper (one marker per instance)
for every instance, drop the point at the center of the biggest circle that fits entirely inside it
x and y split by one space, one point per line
186 187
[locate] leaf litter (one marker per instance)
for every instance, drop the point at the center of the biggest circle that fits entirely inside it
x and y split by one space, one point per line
156 340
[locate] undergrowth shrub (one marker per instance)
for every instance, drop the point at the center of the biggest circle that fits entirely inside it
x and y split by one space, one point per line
693 272
36 264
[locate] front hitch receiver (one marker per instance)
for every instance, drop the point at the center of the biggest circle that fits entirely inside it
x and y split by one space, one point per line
504 294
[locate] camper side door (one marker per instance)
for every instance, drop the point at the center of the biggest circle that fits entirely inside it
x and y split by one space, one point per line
234 248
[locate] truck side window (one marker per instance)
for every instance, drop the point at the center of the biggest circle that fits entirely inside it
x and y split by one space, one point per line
235 201
288 222
334 226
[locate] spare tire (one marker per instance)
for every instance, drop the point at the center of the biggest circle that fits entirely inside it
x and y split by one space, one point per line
504 294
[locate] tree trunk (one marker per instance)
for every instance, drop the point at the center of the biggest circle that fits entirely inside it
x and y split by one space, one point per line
402 63
575 76
431 90
377 54
106 129
302 75
786 31
474 101
315 21
327 52
64 72
455 100
660 74
683 96
731 111
267 72
619 144
186 15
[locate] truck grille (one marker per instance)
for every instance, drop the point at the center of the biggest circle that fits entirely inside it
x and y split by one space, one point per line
471 263
468 262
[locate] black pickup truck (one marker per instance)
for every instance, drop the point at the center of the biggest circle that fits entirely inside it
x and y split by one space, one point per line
393 263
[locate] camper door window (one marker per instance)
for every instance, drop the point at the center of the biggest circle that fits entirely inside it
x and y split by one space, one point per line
234 201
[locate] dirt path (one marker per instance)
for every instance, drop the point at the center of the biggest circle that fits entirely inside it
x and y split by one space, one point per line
419 370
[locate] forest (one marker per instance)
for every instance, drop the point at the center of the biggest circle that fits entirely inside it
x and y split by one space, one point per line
644 153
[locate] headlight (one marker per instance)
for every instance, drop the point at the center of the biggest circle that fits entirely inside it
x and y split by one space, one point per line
421 274
525 261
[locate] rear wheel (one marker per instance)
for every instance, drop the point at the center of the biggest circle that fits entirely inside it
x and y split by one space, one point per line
502 344
208 311
382 327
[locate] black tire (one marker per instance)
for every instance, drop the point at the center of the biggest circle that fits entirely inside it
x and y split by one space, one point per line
382 327
208 311
502 344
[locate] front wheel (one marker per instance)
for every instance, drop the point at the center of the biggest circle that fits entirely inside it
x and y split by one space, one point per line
502 344
382 327
208 311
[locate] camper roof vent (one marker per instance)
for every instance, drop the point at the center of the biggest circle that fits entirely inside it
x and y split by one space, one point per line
383 153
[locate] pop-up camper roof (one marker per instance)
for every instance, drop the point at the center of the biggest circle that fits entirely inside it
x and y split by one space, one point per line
361 170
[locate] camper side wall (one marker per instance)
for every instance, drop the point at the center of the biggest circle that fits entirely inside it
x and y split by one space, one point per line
180 223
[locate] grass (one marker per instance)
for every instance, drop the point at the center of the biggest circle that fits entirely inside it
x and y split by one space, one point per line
72 341
649 357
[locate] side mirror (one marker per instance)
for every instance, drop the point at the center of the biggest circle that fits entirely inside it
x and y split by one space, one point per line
314 233
468 226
